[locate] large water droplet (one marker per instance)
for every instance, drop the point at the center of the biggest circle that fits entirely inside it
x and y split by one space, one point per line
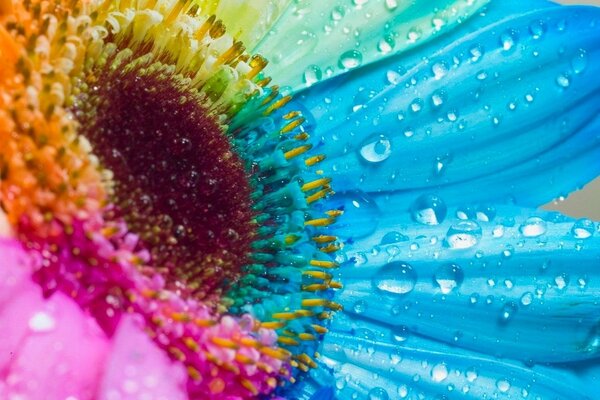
393 237
448 277
361 214
350 59
41 322
439 372
395 278
312 75
428 209
533 227
463 235
378 393
583 228
376 148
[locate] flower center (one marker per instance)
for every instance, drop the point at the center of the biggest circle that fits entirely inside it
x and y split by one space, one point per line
176 181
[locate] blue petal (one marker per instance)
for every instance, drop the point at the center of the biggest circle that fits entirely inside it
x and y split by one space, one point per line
507 97
523 284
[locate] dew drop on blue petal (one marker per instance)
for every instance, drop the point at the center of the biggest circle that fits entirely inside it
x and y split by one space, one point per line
508 312
437 98
439 372
448 277
579 62
471 375
350 59
561 281
476 53
391 5
395 278
503 385
526 298
312 75
361 214
439 69
537 29
463 235
393 237
413 35
378 393
376 148
583 228
386 44
416 105
563 81
400 333
533 227
428 209
508 40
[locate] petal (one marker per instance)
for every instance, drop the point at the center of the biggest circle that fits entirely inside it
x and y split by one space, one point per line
507 97
522 284
367 360
313 40
72 345
137 369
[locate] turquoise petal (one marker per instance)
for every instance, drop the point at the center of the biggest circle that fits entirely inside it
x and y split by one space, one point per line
508 101
504 281
315 40
369 361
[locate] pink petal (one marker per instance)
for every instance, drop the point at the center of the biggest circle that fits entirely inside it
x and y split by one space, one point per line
138 370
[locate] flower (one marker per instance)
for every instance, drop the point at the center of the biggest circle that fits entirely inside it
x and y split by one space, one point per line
171 225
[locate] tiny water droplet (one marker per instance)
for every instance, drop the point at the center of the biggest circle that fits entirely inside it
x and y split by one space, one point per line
439 372
312 75
360 306
471 375
437 98
537 29
448 277
391 5
583 228
376 148
396 278
439 69
533 227
42 322
428 209
579 62
561 281
350 59
508 40
393 77
503 385
563 81
416 105
463 235
529 98
481 75
476 53
413 35
386 44
508 312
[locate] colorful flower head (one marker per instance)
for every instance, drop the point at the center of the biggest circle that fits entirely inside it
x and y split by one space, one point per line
168 216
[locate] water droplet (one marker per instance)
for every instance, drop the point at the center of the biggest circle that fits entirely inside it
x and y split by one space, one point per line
337 13
579 62
529 98
561 281
448 277
533 227
350 59
508 40
439 69
312 75
471 375
563 81
41 322
360 306
428 209
400 333
452 116
498 231
402 391
438 23
463 235
393 237
476 53
413 35
408 132
583 228
439 372
393 77
395 278
391 4
508 312
376 148
485 213
537 29
416 105
437 98
378 393
481 75
527 298
362 211
503 385
386 44
360 2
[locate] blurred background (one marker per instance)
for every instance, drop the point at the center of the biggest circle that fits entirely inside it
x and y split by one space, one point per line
585 202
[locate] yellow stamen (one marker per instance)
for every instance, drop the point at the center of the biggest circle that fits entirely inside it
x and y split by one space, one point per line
292 125
314 160
317 275
257 63
278 104
320 329
205 27
318 196
250 386
323 264
324 239
319 222
227 343
330 248
317 183
297 151
288 341
273 325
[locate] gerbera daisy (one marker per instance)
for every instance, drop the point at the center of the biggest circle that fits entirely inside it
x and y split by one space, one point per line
168 169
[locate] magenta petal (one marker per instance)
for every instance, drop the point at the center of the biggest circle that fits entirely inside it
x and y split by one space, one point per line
49 349
138 369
